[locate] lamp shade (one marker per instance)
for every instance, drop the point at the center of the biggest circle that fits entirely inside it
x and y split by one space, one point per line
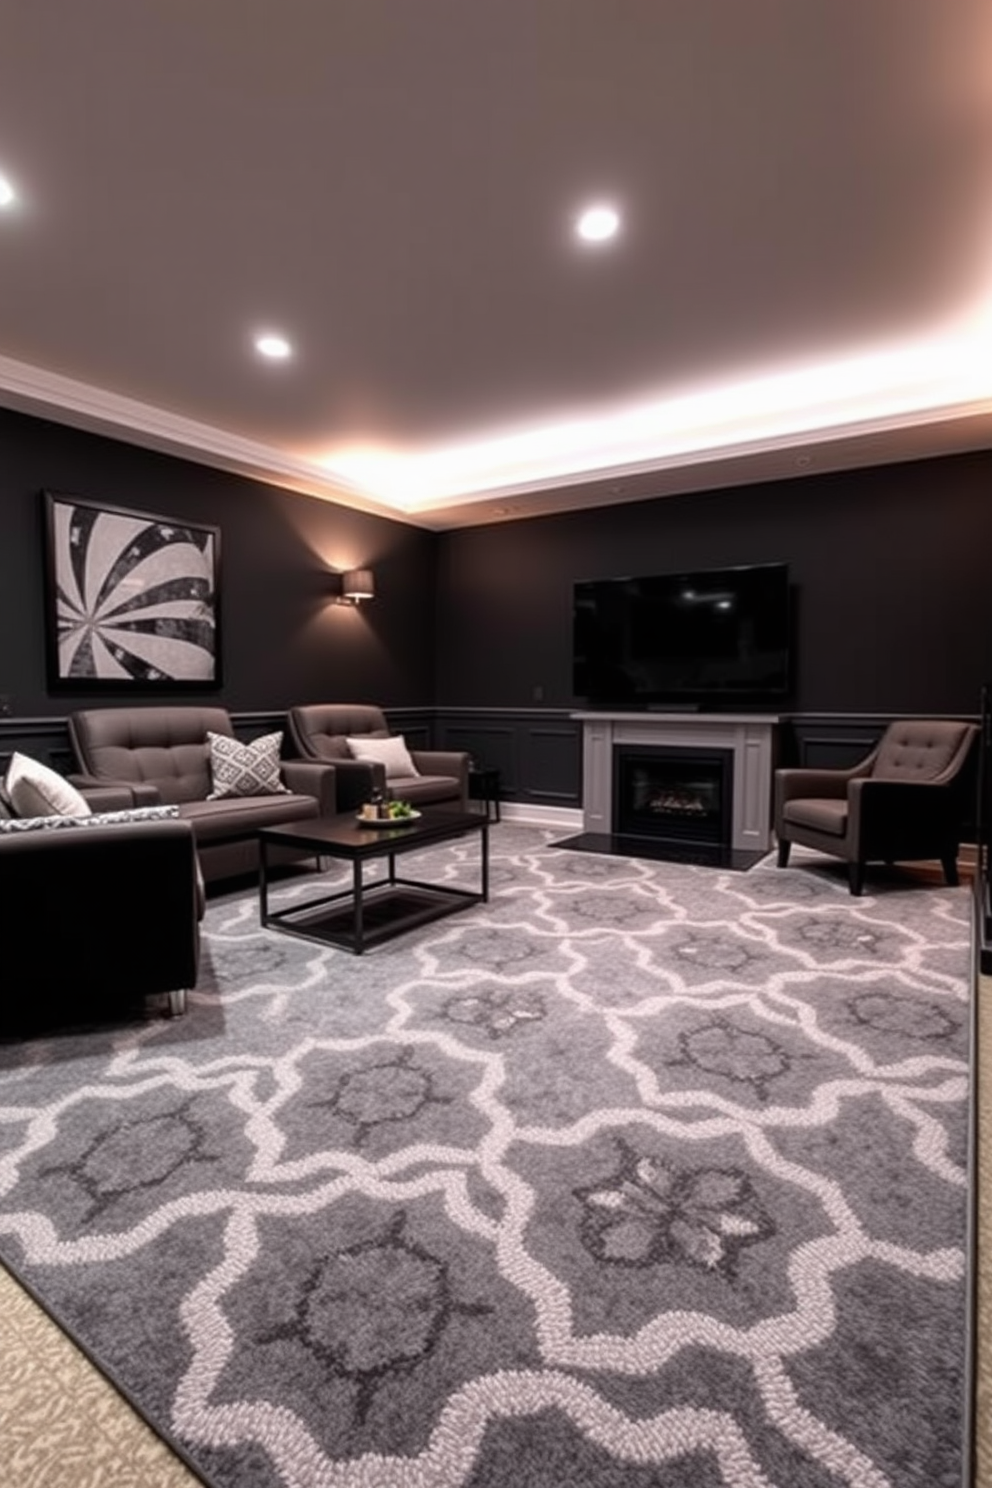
358 583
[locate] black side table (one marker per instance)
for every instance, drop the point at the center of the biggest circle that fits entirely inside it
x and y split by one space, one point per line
483 785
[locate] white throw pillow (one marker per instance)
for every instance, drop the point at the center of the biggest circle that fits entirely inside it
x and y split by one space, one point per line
391 752
238 769
35 790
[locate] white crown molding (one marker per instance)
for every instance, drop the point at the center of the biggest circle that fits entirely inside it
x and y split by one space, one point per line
940 427
30 389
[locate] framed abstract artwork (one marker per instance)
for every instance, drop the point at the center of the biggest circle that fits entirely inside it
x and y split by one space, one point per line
132 599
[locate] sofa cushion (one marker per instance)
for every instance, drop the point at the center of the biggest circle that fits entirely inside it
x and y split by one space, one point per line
16 824
425 790
237 817
35 790
819 813
238 769
390 752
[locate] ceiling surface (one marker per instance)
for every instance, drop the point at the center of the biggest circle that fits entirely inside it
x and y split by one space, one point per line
802 279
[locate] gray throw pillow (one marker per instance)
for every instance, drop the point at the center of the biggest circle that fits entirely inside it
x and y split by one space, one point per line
238 769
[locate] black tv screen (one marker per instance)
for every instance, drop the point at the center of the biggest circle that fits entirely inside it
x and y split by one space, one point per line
709 635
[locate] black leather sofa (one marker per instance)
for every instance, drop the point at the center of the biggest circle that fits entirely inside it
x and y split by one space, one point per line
116 910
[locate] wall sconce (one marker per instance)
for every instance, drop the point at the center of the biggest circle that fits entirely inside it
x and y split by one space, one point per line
353 586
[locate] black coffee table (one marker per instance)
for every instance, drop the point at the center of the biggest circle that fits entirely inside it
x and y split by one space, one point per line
370 912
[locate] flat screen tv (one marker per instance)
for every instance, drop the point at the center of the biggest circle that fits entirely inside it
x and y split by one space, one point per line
706 637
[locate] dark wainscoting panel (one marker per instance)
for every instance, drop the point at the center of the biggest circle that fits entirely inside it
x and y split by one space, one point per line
552 762
537 752
44 739
415 724
491 745
824 743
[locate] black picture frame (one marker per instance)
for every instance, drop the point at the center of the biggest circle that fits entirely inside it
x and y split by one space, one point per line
132 599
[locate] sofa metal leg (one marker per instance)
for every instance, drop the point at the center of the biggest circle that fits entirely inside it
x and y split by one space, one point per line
856 877
177 1002
784 848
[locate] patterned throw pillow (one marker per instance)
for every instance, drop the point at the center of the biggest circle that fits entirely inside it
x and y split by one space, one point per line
245 769
95 819
35 790
391 752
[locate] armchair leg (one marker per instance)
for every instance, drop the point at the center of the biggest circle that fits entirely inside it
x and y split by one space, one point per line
949 863
784 848
856 877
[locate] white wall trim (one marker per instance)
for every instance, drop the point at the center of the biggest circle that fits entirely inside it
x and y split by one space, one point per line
565 818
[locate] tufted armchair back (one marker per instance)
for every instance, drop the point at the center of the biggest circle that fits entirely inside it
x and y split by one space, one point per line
319 730
922 749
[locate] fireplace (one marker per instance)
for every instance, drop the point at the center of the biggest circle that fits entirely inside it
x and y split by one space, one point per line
673 794
744 835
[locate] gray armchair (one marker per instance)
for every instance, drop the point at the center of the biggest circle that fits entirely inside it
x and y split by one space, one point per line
905 802
319 731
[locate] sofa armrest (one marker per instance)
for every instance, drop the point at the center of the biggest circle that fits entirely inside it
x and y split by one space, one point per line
442 762
312 778
890 813
357 781
110 797
453 762
126 793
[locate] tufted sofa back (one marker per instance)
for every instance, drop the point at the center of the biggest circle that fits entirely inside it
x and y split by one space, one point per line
161 746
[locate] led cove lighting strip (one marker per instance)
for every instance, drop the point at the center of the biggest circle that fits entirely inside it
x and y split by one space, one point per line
851 393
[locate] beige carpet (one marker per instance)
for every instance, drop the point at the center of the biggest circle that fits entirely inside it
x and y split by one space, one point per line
62 1425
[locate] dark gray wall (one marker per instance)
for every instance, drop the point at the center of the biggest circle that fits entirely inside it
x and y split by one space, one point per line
891 568
282 641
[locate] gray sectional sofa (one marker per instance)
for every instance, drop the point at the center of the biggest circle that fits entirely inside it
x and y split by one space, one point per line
161 755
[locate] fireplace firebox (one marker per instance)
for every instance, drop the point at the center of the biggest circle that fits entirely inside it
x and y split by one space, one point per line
676 795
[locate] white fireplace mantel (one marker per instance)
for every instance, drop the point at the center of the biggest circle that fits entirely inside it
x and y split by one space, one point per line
751 737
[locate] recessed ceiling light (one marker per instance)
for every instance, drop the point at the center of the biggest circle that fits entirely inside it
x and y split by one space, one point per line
598 224
273 346
7 193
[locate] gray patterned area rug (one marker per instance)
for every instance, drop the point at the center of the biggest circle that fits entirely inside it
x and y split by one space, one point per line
641 1175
